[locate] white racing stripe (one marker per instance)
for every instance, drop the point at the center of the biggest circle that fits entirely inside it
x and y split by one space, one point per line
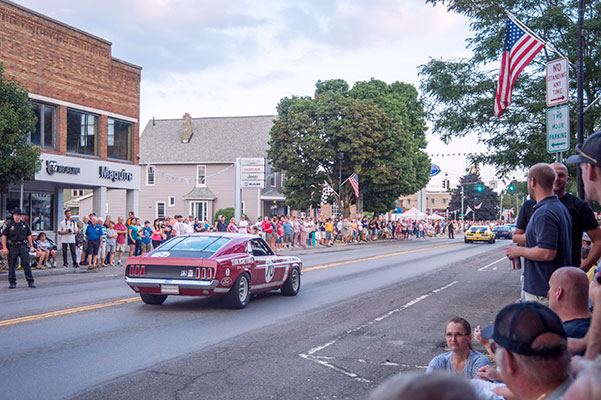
492 263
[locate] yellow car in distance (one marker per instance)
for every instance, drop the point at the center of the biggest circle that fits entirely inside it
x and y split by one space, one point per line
479 234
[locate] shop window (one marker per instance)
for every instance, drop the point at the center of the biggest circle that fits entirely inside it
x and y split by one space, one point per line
199 209
149 175
171 201
160 210
273 179
120 139
45 127
77 192
432 201
201 175
82 133
243 207
38 209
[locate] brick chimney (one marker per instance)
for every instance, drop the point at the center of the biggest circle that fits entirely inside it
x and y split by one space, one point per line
187 128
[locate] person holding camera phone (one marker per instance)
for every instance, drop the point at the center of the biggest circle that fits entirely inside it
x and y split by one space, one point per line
66 234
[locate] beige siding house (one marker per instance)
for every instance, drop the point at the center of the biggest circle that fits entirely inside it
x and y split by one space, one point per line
188 167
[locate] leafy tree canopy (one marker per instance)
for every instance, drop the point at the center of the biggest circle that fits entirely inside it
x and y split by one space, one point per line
460 92
472 197
379 127
19 160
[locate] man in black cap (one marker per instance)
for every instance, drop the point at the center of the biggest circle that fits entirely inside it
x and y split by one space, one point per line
531 351
16 242
588 155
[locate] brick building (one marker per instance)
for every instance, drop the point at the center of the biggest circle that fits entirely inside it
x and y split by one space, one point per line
87 103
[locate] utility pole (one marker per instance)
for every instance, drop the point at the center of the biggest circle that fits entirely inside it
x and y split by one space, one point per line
340 156
580 79
462 215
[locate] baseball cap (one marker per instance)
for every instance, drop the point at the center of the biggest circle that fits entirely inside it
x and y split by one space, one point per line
518 325
16 211
589 152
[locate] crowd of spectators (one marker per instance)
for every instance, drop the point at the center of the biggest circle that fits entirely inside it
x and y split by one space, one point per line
538 342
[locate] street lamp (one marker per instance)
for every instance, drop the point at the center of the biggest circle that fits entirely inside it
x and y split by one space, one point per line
340 157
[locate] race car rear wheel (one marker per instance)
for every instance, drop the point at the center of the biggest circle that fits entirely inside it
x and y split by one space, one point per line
154 299
239 295
292 284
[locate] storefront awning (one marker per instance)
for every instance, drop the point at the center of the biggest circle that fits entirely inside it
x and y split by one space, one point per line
200 193
273 195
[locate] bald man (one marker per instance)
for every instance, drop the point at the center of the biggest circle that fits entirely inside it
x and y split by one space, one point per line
588 156
583 220
548 243
568 297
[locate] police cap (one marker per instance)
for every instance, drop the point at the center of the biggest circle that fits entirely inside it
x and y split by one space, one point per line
16 211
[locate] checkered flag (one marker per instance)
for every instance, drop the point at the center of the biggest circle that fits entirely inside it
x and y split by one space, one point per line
326 192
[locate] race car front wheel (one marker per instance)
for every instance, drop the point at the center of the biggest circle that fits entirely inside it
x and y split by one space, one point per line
292 284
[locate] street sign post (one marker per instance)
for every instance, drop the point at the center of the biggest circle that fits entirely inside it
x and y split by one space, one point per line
558 129
557 82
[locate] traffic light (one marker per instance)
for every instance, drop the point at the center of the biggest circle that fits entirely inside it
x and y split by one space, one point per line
511 188
479 188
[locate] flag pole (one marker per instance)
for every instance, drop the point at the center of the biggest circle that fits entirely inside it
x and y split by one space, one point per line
524 27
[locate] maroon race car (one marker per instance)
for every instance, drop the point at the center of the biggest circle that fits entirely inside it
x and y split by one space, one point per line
204 264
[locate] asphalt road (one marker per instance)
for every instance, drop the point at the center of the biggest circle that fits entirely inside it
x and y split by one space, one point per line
364 312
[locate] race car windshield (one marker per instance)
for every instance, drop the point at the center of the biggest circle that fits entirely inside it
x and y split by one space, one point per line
192 246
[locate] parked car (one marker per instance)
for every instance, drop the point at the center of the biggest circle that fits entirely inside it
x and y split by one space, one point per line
502 232
213 263
479 233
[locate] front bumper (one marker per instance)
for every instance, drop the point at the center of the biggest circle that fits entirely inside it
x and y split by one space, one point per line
480 238
182 283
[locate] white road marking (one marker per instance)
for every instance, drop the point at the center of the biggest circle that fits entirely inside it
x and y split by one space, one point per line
324 360
492 263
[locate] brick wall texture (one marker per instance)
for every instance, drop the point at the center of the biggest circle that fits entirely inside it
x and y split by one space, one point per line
58 61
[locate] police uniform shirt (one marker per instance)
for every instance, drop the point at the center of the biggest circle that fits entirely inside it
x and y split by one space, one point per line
16 232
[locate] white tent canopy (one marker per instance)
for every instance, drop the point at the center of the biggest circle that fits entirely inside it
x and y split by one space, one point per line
435 217
413 213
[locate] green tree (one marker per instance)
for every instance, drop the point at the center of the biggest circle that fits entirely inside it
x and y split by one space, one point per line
378 146
475 193
459 94
19 160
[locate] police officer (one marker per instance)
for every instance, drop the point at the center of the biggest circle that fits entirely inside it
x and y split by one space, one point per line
16 241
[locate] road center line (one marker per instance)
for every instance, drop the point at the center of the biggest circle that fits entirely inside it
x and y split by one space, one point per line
67 311
398 253
91 307
492 263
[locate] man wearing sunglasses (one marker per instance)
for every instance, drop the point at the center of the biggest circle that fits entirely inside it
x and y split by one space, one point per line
588 155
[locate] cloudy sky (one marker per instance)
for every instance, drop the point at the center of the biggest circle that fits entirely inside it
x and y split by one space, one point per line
240 57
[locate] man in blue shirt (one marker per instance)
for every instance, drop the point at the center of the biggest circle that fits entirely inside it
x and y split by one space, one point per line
548 236
287 225
93 234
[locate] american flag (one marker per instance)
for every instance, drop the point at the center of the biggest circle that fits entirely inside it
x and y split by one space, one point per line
519 49
478 206
354 181
326 192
